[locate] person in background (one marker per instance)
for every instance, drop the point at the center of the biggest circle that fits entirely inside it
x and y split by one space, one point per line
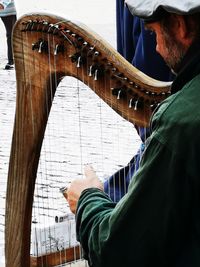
157 223
138 46
8 16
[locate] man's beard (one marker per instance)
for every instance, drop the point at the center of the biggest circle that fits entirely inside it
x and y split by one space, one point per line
175 52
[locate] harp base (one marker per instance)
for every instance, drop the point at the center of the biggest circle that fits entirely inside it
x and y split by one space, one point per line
68 255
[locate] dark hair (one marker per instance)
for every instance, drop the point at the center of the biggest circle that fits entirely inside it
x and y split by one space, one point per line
158 15
192 21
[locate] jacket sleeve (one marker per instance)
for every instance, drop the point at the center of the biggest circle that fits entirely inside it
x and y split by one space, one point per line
147 224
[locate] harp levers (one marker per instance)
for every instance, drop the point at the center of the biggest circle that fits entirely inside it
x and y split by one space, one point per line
47 48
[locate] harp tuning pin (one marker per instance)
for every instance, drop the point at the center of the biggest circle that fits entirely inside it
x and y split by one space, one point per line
35 46
29 25
96 75
96 53
154 105
50 28
45 22
55 29
114 69
80 39
78 62
40 47
90 71
130 103
58 48
24 22
119 94
136 105
75 57
85 43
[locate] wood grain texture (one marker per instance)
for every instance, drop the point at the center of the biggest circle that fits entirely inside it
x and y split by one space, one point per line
57 258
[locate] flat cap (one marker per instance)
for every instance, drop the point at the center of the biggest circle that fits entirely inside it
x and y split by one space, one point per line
153 10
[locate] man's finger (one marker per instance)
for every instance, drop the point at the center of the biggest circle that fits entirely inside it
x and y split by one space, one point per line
90 172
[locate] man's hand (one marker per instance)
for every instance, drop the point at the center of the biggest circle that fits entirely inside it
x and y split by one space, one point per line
1 6
77 186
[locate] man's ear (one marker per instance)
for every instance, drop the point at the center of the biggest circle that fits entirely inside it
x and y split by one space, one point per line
182 29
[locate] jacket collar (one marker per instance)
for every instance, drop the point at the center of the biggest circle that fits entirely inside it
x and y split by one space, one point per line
189 68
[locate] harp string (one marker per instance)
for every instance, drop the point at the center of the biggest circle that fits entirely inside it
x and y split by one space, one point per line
51 205
78 100
50 132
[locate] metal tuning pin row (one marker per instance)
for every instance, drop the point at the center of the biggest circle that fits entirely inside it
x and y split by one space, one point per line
72 38
86 51
53 29
42 26
42 46
29 25
134 104
94 71
36 25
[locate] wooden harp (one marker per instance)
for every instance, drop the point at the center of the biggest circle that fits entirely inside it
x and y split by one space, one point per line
47 48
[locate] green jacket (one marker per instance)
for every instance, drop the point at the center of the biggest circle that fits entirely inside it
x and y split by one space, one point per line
158 222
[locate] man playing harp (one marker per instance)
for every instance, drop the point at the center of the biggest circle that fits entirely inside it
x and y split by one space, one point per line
157 223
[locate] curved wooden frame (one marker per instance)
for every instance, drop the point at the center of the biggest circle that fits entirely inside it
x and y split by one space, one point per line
41 44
